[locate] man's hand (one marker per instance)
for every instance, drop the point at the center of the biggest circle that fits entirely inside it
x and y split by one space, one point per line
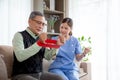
43 37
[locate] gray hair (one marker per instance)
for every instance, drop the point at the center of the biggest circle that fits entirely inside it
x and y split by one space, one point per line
34 14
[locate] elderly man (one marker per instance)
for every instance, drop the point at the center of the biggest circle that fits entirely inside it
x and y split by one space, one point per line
28 53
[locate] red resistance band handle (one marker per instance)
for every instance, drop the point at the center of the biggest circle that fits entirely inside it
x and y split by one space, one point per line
48 43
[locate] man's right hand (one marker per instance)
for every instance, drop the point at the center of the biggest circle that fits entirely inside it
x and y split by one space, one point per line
42 37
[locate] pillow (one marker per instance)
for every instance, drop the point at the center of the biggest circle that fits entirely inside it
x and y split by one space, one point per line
3 70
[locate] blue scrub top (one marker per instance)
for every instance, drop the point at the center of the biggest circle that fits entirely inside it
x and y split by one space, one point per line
66 54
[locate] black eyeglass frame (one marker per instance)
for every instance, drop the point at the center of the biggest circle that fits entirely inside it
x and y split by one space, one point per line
39 22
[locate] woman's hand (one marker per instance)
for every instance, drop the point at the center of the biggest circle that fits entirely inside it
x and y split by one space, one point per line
61 40
80 56
87 50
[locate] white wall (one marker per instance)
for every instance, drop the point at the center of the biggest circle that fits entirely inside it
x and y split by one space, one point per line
13 18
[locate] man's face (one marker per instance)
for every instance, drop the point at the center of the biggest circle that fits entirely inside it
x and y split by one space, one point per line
37 24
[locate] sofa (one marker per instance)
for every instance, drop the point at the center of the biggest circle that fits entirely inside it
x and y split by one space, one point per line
6 62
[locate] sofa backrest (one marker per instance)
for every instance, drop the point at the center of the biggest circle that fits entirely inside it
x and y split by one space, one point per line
7 52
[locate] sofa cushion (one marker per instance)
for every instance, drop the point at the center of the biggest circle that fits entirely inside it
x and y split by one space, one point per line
7 52
3 71
46 64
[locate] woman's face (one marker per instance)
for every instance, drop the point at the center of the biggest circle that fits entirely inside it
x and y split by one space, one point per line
65 29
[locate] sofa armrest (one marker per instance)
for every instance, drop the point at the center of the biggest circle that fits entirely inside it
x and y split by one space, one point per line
87 68
3 70
7 52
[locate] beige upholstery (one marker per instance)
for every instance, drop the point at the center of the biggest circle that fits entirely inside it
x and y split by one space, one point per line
7 53
6 62
3 70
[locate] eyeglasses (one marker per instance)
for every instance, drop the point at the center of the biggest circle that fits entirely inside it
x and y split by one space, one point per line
39 22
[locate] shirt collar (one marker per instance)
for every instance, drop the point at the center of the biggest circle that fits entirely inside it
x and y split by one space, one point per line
31 33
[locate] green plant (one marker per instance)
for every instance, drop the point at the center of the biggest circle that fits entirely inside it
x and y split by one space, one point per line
85 42
52 19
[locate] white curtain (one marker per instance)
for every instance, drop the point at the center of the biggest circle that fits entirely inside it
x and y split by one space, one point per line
113 60
13 18
99 19
90 19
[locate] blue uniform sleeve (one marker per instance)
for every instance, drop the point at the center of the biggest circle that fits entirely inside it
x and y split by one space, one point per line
78 49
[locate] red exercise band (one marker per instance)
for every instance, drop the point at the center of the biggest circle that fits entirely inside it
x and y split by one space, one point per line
48 43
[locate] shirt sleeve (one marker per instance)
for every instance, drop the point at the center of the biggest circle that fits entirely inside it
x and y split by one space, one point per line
18 47
49 53
78 49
